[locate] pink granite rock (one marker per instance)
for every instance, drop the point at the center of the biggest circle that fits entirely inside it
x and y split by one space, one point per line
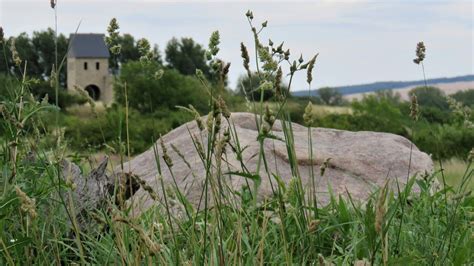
360 161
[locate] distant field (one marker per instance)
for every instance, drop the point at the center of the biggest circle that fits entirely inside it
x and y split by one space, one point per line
323 110
454 170
319 110
448 88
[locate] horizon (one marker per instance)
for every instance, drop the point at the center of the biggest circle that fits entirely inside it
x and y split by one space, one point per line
358 41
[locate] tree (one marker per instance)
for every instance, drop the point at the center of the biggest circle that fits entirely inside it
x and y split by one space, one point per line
390 95
430 97
44 46
249 87
330 96
465 97
129 52
185 56
377 114
147 94
39 53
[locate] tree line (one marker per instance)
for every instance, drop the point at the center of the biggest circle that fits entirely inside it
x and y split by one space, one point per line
184 54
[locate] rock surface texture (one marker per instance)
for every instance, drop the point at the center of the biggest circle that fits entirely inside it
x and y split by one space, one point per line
360 161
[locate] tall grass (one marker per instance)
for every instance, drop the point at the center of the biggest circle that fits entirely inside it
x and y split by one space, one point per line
38 217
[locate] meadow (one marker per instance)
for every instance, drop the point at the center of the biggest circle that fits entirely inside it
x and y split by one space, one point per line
40 223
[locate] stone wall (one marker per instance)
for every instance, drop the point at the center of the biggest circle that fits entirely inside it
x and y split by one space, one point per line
81 77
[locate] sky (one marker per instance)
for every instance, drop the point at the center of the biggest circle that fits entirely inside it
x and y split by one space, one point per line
358 41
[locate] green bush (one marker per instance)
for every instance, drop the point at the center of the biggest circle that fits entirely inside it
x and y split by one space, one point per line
330 96
147 93
465 97
378 114
444 141
39 89
109 129
430 96
65 99
249 87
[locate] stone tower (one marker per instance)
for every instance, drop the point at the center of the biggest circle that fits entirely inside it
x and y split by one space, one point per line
88 66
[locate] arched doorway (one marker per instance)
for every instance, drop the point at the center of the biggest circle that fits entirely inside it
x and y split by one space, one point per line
93 91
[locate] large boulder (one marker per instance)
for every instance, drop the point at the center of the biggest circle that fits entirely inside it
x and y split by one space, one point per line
360 161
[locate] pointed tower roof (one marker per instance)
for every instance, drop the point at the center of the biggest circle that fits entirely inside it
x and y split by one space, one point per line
88 45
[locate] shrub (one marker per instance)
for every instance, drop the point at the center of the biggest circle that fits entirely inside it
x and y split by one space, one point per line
444 141
430 96
39 89
185 55
147 93
466 97
250 87
378 114
109 128
330 96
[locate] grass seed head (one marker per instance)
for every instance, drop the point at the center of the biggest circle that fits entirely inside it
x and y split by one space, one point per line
223 107
309 73
146 187
197 117
52 79
245 56
180 154
381 208
199 147
15 55
113 35
166 157
200 75
308 115
414 108
321 260
2 35
214 42
158 74
153 247
249 14
28 205
277 83
269 117
225 70
313 225
144 48
420 53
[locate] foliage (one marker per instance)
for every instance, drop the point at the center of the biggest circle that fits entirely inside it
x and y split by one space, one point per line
129 51
185 55
444 141
430 97
466 97
378 114
37 50
40 89
417 223
440 131
108 129
147 93
330 96
249 87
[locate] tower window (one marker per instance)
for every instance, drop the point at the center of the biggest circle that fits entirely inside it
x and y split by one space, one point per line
85 65
97 65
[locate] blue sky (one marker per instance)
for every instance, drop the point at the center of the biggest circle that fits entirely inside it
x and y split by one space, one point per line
358 41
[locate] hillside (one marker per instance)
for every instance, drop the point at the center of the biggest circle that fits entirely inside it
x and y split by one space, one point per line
393 85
